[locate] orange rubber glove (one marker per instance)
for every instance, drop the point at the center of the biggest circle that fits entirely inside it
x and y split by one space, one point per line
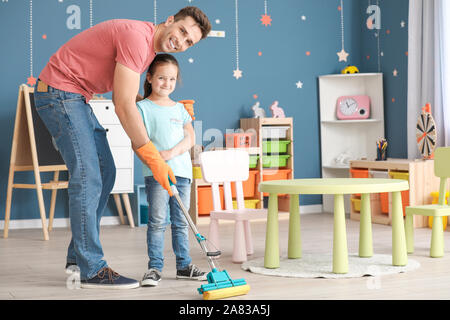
150 156
189 106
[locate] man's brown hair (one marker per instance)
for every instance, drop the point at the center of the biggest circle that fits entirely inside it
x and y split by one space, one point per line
199 17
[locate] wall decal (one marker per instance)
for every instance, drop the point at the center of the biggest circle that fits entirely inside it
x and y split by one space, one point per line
374 20
299 84
342 54
237 73
265 18
74 20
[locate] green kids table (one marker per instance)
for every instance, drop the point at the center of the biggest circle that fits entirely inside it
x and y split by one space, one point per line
338 187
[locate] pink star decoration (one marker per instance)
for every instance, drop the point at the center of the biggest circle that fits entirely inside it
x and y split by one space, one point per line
31 81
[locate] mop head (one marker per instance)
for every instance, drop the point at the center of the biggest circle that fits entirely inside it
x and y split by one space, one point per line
220 286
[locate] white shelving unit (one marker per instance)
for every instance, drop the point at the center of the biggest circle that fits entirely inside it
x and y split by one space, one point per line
355 138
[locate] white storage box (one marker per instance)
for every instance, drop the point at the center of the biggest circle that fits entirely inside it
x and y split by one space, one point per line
378 174
274 132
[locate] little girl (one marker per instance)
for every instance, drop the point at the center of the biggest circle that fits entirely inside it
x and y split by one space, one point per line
170 129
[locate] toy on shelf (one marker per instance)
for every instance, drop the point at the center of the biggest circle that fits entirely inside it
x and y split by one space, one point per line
426 133
349 70
258 112
277 112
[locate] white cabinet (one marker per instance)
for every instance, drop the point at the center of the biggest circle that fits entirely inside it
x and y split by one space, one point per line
345 140
122 153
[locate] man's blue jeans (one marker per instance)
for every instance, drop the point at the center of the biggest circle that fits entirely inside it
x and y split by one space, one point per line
82 142
163 209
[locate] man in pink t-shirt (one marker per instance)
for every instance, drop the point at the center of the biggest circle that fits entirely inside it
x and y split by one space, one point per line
110 56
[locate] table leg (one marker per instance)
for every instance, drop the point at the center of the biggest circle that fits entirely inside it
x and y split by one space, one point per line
340 253
272 251
365 227
399 255
295 240
119 207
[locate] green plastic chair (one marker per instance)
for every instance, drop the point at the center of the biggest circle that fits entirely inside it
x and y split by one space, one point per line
437 211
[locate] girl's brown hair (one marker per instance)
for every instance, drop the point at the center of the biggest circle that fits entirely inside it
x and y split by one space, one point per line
159 59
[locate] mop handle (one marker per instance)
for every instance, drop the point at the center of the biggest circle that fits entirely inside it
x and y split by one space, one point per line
200 239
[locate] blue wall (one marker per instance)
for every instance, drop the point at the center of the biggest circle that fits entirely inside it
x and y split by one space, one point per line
221 100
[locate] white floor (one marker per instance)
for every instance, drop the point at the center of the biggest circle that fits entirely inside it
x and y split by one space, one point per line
31 268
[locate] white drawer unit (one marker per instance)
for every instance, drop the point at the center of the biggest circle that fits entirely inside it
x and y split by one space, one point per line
104 111
118 141
122 153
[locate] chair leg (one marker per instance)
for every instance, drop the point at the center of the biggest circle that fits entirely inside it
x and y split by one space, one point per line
248 237
437 238
239 250
213 235
409 232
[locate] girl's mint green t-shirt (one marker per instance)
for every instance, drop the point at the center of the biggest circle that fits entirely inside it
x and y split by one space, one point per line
165 129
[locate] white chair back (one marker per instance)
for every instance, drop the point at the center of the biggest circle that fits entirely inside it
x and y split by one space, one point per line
225 166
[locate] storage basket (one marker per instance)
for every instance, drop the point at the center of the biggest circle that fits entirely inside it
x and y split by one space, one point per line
275 161
275 146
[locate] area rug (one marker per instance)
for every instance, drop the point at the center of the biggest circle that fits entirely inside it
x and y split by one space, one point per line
320 266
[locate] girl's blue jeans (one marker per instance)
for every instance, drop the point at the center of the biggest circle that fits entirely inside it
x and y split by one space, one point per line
164 210
82 142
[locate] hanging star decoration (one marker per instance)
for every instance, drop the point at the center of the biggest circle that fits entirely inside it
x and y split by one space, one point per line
31 81
342 55
266 20
237 73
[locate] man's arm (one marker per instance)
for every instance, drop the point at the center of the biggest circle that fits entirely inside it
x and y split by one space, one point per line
125 89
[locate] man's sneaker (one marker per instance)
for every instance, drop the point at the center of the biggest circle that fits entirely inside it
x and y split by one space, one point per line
151 278
192 272
106 278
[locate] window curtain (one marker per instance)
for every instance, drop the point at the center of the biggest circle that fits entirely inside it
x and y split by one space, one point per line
428 70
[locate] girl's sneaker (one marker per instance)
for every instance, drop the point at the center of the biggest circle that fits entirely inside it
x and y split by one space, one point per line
151 278
192 272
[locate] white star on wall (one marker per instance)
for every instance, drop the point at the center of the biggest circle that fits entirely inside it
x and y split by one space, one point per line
342 55
402 24
303 18
191 60
395 72
217 21
237 73
299 84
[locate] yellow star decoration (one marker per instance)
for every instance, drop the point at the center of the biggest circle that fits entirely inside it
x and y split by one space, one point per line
266 20
342 55
237 73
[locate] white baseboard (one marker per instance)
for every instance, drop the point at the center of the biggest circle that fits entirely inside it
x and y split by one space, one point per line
110 220
57 223
311 208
